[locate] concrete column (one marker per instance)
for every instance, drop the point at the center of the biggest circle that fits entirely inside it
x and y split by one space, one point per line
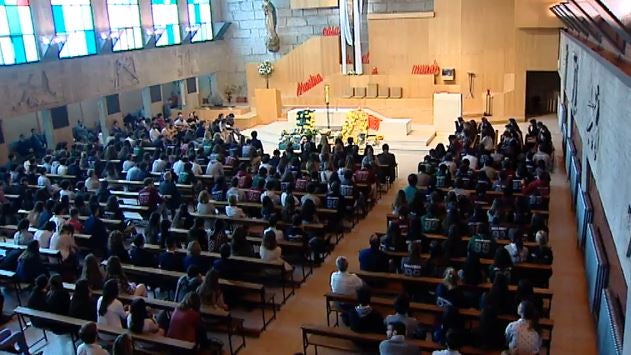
101 107
146 102
47 127
101 17
182 93
146 18
182 10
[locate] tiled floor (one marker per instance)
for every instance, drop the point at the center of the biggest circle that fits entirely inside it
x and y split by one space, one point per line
574 330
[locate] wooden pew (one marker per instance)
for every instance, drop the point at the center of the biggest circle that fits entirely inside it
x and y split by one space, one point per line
52 253
387 304
6 275
396 282
154 339
232 324
538 274
252 263
286 246
13 228
170 277
111 222
323 336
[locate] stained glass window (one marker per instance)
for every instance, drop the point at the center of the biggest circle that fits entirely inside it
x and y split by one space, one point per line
74 25
125 26
17 39
199 15
166 22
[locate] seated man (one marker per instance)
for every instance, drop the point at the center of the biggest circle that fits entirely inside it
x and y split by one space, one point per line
388 159
401 308
372 258
342 281
395 344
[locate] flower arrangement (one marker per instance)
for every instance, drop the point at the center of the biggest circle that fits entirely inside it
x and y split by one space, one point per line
265 70
305 120
229 91
356 123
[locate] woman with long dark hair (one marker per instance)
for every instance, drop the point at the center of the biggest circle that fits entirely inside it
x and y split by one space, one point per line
110 310
139 321
114 271
82 305
209 291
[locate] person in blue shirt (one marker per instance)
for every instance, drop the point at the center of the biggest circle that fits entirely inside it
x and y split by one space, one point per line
410 190
95 227
373 259
30 264
46 214
169 259
193 257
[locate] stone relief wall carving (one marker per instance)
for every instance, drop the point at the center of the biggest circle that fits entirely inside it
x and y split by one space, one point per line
125 72
35 92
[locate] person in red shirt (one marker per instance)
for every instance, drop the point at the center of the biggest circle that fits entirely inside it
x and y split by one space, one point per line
186 321
149 195
74 220
535 184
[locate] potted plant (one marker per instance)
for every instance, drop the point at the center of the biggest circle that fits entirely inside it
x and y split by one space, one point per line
265 70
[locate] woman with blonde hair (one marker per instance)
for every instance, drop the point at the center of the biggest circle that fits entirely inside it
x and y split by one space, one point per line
204 206
449 293
210 292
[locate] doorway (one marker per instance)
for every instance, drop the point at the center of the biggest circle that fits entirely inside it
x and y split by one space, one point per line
542 92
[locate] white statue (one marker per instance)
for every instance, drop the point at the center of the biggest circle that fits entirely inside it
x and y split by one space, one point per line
272 42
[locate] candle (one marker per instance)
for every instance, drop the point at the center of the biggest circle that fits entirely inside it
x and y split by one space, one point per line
326 93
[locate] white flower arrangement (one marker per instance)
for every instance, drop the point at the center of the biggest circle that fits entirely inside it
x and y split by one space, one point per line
266 68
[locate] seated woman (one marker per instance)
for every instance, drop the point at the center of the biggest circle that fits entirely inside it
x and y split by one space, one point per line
170 259
116 247
92 272
193 257
22 236
114 271
217 236
308 212
65 243
270 251
393 240
498 297
30 264
198 233
542 254
139 321
43 235
57 299
110 310
411 265
186 321
139 255
240 245
449 293
82 305
232 210
522 335
203 204
210 292
112 209
183 218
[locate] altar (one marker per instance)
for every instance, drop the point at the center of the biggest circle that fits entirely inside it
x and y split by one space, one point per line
388 127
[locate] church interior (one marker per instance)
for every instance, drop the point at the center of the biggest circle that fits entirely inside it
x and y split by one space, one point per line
314 166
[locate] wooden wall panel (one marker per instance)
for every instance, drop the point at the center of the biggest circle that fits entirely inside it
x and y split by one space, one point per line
536 14
313 4
404 42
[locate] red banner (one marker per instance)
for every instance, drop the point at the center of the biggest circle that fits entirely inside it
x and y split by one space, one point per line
331 31
309 84
373 123
425 69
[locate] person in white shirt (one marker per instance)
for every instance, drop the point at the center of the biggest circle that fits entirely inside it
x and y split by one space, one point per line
310 195
473 161
270 251
43 235
342 281
454 343
160 164
64 242
235 191
88 334
62 169
543 156
273 221
516 249
232 210
58 218
154 133
180 120
109 309
178 166
92 182
43 180
288 193
269 192
196 168
128 163
215 168
521 335
66 191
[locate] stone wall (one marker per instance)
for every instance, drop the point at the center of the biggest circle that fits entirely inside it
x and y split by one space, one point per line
246 37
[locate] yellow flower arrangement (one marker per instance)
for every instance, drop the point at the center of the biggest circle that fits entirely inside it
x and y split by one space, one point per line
355 124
